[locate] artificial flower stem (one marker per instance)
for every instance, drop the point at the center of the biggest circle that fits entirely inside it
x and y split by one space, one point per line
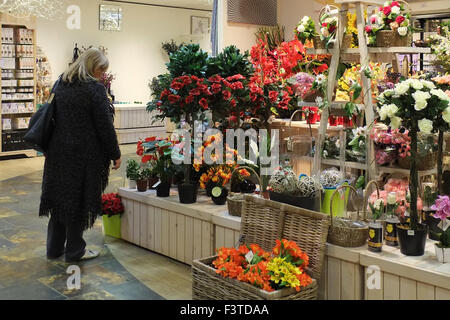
414 176
440 161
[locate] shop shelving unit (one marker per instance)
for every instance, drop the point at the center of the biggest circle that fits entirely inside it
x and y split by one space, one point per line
16 145
361 55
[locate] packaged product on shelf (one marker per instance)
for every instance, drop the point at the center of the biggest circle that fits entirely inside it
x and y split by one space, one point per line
7 35
21 123
7 63
6 124
29 106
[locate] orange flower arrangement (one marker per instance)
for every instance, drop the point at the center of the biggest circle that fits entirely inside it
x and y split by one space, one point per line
284 267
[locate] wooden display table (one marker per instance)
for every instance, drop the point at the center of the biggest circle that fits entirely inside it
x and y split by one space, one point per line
187 232
133 122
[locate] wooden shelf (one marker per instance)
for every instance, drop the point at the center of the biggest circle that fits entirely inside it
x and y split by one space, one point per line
348 164
422 173
29 153
356 51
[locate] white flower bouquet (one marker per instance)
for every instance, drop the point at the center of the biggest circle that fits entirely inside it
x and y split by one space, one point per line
306 29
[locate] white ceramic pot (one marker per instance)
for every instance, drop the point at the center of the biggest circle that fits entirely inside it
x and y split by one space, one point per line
132 184
442 254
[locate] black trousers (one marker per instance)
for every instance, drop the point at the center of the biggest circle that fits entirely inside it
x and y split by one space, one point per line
62 239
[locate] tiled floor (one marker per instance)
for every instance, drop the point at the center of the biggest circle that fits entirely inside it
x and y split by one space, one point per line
123 271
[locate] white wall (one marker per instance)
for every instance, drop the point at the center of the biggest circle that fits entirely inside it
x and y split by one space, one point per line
135 52
290 12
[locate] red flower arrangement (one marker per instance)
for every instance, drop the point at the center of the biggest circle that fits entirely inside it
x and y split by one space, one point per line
112 205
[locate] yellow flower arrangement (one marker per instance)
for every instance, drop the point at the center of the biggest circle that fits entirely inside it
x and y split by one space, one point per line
283 272
353 74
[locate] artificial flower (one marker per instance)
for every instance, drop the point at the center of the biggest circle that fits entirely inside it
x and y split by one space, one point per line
426 126
421 98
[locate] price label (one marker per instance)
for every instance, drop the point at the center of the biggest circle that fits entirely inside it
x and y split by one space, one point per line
249 256
411 233
444 225
156 184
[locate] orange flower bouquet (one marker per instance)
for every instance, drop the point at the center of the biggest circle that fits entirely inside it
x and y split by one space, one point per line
284 267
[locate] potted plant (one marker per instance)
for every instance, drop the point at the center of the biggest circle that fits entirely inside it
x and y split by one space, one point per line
142 181
375 243
240 183
429 198
442 208
132 172
216 179
112 208
390 26
416 105
392 220
303 192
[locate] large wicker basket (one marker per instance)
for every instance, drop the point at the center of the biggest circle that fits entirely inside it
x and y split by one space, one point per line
345 236
262 223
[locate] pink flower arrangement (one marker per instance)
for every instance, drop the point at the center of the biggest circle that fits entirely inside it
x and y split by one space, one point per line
303 84
442 80
442 208
400 187
390 144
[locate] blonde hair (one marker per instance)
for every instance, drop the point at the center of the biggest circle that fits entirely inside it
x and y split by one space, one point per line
86 65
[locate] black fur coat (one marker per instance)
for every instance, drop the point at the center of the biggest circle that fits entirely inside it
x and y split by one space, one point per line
79 155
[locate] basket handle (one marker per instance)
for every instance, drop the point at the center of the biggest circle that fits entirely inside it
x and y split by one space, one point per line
366 196
407 6
327 9
332 198
293 115
252 171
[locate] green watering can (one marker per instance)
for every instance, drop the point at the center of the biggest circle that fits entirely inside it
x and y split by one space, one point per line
338 201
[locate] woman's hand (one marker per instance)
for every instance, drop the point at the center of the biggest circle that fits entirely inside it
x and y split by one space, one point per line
117 164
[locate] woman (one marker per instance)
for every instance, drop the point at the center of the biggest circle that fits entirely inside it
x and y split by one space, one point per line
79 156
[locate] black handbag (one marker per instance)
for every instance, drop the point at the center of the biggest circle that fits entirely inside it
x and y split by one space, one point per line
42 124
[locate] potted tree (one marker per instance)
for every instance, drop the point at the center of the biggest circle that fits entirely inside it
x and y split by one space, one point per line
442 207
132 172
417 105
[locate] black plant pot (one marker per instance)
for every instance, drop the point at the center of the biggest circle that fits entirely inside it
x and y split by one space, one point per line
247 186
375 242
188 193
219 199
142 185
152 182
163 190
209 186
309 203
432 223
412 243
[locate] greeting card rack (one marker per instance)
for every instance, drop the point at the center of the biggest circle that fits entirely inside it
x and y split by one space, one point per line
18 83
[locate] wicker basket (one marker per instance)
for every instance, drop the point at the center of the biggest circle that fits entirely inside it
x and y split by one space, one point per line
390 38
348 40
207 285
423 163
345 236
319 44
262 223
235 202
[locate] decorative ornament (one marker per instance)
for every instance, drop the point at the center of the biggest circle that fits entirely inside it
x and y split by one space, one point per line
47 9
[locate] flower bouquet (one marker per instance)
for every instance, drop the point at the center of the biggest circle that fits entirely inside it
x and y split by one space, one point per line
112 208
328 30
306 30
390 145
390 26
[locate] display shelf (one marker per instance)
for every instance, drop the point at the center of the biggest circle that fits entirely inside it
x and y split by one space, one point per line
372 50
391 170
347 164
15 30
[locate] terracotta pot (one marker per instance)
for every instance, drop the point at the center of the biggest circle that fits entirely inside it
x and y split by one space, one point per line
142 185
